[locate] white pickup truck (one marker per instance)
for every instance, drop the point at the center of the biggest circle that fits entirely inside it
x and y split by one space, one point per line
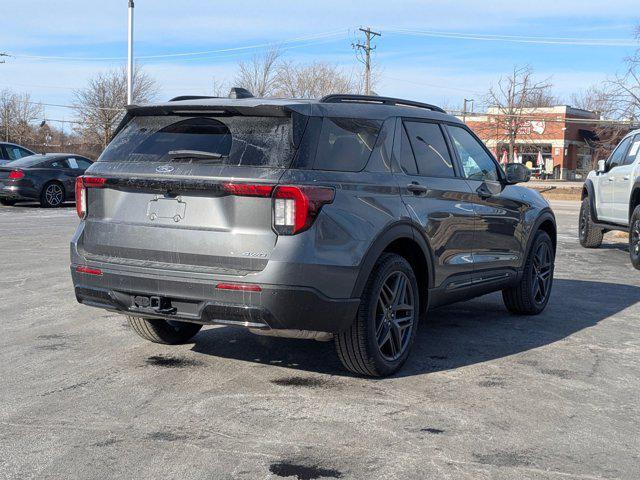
611 198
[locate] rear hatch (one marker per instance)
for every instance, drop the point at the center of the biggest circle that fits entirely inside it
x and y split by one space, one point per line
188 193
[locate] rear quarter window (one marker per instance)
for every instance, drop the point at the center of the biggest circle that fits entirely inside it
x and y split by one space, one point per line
345 144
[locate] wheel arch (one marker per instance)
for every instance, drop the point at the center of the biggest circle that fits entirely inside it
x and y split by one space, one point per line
546 222
589 191
634 199
405 240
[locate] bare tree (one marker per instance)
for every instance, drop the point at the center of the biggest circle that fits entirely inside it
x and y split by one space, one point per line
17 114
100 105
259 74
312 81
513 96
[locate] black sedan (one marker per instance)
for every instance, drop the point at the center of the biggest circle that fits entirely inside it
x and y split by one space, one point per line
49 178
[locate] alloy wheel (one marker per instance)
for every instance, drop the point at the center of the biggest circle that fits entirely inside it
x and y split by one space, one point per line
395 315
54 195
542 273
634 244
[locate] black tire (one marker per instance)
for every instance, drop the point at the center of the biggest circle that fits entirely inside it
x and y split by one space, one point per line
163 331
590 236
378 321
526 297
7 202
52 195
634 238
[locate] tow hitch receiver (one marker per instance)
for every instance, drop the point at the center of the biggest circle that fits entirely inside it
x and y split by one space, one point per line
153 304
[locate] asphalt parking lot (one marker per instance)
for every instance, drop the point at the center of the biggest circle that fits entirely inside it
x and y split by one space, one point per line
484 395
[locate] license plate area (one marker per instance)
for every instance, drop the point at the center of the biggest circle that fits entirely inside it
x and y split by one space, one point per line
166 208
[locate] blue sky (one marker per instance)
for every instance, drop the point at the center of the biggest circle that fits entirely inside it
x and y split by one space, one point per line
90 36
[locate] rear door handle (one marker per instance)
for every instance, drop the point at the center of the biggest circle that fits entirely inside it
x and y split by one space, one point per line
417 188
626 177
611 179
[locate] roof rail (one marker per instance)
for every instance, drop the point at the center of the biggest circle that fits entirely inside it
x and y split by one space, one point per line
374 99
190 97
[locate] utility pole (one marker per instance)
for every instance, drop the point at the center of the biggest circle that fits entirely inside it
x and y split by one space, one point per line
367 56
130 56
464 108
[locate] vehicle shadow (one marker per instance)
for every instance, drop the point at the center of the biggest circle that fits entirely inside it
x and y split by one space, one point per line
453 336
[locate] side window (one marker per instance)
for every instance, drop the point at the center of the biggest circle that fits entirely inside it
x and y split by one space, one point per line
15 153
83 163
407 160
430 149
56 164
345 144
633 151
617 157
477 164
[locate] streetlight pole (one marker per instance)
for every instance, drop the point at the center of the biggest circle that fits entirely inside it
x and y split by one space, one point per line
130 56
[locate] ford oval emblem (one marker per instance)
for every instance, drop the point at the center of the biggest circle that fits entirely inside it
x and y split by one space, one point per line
165 169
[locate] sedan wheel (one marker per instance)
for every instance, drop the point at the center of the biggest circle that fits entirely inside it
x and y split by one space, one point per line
52 195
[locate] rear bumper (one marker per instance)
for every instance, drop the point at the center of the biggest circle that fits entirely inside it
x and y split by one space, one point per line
12 192
198 301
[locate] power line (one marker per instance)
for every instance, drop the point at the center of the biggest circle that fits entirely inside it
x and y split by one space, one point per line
306 38
587 42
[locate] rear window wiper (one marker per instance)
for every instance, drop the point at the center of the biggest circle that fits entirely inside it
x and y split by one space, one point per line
194 154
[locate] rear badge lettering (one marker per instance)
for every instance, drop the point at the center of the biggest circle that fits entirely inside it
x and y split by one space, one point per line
165 169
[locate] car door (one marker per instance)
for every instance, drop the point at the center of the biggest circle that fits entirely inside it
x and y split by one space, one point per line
436 198
623 182
606 182
499 239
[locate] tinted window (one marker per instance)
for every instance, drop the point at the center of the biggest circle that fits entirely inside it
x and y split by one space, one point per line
59 163
83 163
15 153
407 160
430 149
234 140
617 157
633 151
345 144
477 164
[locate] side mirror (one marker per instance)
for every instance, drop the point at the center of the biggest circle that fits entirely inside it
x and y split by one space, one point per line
601 166
517 173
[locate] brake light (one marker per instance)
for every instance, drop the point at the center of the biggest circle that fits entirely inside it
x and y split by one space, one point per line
295 208
243 287
88 270
248 190
82 183
16 174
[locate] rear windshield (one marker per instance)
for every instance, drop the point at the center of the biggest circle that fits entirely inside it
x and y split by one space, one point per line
345 144
30 161
232 140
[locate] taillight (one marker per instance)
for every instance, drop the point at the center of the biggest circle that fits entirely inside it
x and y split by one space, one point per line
248 189
16 174
295 208
82 183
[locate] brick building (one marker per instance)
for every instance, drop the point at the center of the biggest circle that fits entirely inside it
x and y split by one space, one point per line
561 136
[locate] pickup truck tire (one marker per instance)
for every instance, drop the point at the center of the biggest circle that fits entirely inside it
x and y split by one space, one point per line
531 295
634 238
590 236
380 338
163 331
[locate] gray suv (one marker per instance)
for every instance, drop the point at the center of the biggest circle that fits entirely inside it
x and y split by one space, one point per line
344 218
